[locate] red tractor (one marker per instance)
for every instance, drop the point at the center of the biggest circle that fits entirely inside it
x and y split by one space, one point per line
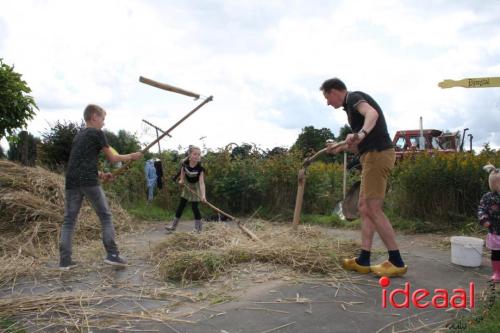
431 140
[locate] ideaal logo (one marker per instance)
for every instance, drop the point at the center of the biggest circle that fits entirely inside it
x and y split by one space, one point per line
422 298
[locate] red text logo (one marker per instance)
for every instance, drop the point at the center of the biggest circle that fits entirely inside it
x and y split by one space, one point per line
422 298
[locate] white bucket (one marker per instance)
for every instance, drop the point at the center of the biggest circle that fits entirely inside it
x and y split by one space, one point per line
466 251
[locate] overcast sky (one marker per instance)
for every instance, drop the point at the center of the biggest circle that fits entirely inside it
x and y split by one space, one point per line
262 60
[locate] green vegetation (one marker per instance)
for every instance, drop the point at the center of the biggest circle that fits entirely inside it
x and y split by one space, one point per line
484 319
10 326
16 106
427 193
442 189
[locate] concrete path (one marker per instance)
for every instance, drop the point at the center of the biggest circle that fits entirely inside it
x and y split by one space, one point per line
348 304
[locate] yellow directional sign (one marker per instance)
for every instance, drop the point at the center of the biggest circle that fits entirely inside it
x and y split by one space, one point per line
479 82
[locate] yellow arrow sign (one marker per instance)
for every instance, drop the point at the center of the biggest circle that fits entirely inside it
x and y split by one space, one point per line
479 82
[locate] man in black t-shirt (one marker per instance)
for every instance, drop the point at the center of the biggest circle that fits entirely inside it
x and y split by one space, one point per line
371 139
82 180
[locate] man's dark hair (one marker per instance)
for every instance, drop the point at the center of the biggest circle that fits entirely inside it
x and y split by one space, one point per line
334 83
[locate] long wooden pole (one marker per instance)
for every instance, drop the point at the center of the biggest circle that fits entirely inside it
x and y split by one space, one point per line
300 196
168 87
167 132
302 183
245 230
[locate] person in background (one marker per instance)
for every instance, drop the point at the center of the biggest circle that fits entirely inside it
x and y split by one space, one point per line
159 173
192 179
150 173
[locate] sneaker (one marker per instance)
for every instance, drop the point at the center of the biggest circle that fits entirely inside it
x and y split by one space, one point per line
115 260
67 265
169 229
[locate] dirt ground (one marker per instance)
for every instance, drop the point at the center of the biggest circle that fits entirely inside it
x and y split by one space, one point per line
253 297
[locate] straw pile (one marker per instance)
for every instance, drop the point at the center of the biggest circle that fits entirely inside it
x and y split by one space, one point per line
191 257
32 208
82 311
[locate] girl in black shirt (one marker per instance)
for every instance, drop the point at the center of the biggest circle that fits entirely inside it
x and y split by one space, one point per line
192 177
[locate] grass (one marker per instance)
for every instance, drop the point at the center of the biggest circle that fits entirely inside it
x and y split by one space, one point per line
480 321
150 212
325 220
154 212
10 326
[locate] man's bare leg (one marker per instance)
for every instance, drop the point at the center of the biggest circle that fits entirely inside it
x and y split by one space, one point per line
372 210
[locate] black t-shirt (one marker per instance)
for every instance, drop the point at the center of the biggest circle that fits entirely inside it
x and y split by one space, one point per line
378 139
82 165
192 174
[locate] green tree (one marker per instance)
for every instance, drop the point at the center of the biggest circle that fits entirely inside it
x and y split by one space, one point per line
124 142
23 148
56 144
276 151
16 106
344 130
242 151
311 140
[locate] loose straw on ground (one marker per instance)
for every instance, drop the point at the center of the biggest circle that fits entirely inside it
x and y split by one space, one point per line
242 227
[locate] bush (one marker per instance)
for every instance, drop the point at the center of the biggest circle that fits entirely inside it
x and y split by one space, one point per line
240 186
23 148
57 142
440 187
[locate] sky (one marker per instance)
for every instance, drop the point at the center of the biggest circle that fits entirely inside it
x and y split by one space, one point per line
262 61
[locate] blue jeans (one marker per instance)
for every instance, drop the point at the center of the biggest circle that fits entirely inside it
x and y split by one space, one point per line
151 190
73 202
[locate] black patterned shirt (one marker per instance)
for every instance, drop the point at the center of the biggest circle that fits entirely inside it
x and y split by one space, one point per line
378 139
489 211
82 165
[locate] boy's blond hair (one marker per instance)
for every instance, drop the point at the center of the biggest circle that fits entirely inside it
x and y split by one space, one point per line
92 109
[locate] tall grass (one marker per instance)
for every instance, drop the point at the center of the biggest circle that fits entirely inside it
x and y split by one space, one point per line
241 186
435 191
440 187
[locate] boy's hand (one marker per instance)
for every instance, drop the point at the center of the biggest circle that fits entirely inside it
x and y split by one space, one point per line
135 156
106 176
203 199
181 182
486 224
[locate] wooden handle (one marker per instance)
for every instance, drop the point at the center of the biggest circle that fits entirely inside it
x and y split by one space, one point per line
245 230
309 160
300 197
167 132
168 87
302 183
480 82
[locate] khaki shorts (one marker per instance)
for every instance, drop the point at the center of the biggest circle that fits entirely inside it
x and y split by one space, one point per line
376 167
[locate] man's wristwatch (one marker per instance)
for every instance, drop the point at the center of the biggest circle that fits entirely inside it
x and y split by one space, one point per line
363 131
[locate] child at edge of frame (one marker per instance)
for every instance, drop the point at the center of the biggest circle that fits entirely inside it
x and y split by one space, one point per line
489 217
